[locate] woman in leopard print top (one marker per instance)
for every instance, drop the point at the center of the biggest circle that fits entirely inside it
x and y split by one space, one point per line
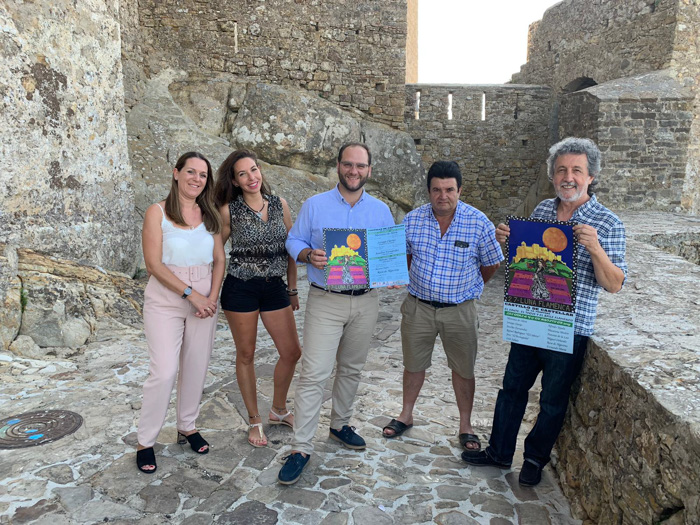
257 222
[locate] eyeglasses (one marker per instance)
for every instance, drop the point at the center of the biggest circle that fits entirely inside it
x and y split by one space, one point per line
349 165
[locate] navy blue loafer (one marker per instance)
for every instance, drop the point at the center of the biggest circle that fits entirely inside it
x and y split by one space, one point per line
530 474
293 467
348 437
480 458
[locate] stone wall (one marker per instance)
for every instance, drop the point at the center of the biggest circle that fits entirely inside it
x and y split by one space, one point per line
685 64
352 55
498 134
614 39
600 39
630 448
642 127
66 181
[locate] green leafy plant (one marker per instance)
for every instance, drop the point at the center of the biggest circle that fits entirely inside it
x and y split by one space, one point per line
23 298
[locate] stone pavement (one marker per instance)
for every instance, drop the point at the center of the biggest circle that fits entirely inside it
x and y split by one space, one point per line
90 476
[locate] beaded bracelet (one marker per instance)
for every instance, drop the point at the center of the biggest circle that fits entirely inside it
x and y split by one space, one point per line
292 292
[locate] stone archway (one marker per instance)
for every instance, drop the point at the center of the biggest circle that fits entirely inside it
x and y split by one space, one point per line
579 84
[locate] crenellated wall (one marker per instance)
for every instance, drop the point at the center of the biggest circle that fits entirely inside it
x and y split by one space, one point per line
498 134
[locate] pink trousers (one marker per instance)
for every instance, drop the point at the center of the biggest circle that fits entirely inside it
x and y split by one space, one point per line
179 346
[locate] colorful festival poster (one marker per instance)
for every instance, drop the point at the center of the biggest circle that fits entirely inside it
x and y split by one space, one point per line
352 253
347 258
539 306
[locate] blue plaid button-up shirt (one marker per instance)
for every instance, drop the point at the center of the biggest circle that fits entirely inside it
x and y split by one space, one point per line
446 269
611 235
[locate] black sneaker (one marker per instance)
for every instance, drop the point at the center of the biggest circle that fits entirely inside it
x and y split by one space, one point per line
292 469
481 459
348 437
530 474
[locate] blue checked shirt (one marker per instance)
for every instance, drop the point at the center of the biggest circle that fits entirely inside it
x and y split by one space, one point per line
611 235
447 269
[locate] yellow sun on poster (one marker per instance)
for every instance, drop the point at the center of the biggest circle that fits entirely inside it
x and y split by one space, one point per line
554 239
354 241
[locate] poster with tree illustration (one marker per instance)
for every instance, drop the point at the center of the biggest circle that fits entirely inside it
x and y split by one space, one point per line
347 267
540 285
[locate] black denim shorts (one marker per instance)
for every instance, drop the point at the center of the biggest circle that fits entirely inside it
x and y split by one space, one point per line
259 293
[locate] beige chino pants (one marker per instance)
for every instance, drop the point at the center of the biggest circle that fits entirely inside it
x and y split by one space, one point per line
179 346
337 328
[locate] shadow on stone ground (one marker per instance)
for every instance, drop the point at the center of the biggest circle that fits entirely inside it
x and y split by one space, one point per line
90 476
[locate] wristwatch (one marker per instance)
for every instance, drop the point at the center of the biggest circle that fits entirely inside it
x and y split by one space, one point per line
186 293
308 257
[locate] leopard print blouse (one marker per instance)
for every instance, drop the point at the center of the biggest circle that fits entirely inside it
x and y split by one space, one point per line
257 247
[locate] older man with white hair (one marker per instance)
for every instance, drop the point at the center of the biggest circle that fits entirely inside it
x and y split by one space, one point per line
573 167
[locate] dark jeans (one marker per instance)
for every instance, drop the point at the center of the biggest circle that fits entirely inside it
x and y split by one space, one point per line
559 371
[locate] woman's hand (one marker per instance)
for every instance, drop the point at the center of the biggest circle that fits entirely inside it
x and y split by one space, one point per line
294 299
204 305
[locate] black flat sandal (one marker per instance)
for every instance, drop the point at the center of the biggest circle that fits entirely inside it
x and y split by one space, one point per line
196 441
145 457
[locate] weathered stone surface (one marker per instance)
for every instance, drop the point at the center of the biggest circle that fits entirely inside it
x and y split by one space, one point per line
630 447
66 303
397 170
371 515
295 186
60 474
10 296
302 497
72 498
454 518
205 101
62 121
252 512
96 511
33 513
295 129
501 152
159 131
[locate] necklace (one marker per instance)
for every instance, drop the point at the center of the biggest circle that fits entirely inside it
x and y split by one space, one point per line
258 213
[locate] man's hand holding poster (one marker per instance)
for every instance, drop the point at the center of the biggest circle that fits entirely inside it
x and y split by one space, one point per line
540 289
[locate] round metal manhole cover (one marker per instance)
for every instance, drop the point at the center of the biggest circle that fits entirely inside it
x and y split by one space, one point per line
37 428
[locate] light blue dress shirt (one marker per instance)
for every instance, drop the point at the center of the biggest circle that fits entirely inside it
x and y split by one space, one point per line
330 210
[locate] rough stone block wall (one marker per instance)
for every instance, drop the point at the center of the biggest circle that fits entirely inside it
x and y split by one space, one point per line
686 66
498 135
601 39
66 180
351 54
629 452
642 127
617 39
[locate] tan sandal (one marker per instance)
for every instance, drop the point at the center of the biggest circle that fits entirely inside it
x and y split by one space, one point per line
259 426
280 419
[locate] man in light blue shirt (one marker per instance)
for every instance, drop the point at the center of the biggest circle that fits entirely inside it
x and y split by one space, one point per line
452 252
338 325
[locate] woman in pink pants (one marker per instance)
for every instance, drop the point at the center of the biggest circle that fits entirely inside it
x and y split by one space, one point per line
185 259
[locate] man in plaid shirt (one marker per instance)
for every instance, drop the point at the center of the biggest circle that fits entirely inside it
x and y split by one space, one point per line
573 166
452 251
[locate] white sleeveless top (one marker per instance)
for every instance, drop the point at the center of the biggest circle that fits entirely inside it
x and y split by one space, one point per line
186 247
